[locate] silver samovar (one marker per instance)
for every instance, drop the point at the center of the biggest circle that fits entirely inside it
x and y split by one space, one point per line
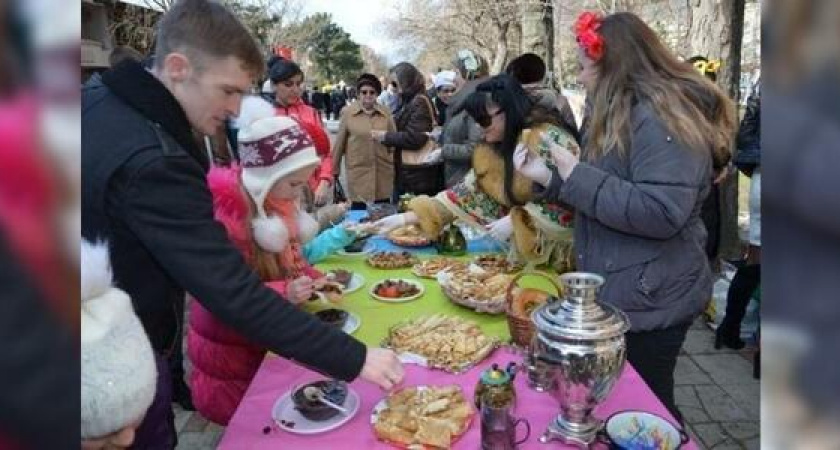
581 344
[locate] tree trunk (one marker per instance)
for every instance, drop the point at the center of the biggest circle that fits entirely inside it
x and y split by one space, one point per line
557 47
716 32
731 73
515 39
538 30
501 54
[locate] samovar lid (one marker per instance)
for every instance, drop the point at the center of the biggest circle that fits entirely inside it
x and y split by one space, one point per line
578 315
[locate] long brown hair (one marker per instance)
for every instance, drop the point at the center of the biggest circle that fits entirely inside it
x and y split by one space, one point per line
637 67
410 79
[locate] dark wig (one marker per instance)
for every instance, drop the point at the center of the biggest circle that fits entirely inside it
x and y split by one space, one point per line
281 69
505 92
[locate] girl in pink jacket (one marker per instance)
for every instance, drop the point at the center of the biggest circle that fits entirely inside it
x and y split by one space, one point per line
259 206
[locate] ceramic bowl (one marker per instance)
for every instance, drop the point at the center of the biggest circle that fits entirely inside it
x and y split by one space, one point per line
335 391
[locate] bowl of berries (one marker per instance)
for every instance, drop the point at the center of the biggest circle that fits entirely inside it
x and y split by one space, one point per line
397 290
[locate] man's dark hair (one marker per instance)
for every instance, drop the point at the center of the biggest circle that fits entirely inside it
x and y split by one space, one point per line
527 68
205 28
282 69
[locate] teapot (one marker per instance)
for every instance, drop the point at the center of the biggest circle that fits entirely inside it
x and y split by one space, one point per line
451 242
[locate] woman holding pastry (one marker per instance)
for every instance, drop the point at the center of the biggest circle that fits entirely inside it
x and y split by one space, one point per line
494 197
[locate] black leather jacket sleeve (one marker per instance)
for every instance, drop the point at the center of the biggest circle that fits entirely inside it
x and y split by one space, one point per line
166 204
416 121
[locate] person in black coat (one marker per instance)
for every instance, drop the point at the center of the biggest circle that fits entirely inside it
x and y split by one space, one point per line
337 100
317 100
145 193
327 99
748 277
414 119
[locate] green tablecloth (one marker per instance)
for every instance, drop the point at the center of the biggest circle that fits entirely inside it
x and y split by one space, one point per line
377 317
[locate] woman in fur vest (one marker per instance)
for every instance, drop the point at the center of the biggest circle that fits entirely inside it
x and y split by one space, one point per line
259 205
492 196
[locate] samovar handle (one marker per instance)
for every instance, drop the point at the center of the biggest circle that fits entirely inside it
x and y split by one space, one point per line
509 294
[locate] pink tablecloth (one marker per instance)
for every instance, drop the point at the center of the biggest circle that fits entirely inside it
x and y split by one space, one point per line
276 376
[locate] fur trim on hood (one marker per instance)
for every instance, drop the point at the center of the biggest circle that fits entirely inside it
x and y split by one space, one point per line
230 204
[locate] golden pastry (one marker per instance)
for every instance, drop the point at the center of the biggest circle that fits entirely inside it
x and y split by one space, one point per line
391 260
447 342
424 416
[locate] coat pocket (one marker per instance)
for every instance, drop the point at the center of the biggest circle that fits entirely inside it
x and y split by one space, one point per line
632 283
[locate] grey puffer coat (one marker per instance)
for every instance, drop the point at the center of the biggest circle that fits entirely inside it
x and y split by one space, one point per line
459 137
638 224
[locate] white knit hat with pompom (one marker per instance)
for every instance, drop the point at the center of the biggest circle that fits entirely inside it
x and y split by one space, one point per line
270 147
119 374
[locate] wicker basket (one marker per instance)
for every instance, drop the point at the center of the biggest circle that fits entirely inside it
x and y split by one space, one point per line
522 329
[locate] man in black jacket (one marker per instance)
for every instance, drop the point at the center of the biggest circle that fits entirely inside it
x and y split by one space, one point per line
144 192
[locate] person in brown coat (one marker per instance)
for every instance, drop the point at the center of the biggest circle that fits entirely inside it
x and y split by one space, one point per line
414 118
369 163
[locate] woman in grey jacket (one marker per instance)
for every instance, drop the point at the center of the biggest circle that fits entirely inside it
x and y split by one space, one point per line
644 173
460 132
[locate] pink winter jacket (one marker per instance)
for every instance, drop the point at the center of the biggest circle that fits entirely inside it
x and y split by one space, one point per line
224 363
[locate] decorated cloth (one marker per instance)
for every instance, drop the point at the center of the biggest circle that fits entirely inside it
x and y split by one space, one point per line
541 231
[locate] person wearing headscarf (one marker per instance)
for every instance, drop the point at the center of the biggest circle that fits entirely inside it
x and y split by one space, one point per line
444 85
460 132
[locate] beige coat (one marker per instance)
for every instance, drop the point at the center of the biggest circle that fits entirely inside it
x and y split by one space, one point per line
369 164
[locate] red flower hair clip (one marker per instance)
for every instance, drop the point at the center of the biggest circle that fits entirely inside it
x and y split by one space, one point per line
586 33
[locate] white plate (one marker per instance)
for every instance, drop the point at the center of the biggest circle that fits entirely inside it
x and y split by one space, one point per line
419 286
284 409
356 283
352 324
